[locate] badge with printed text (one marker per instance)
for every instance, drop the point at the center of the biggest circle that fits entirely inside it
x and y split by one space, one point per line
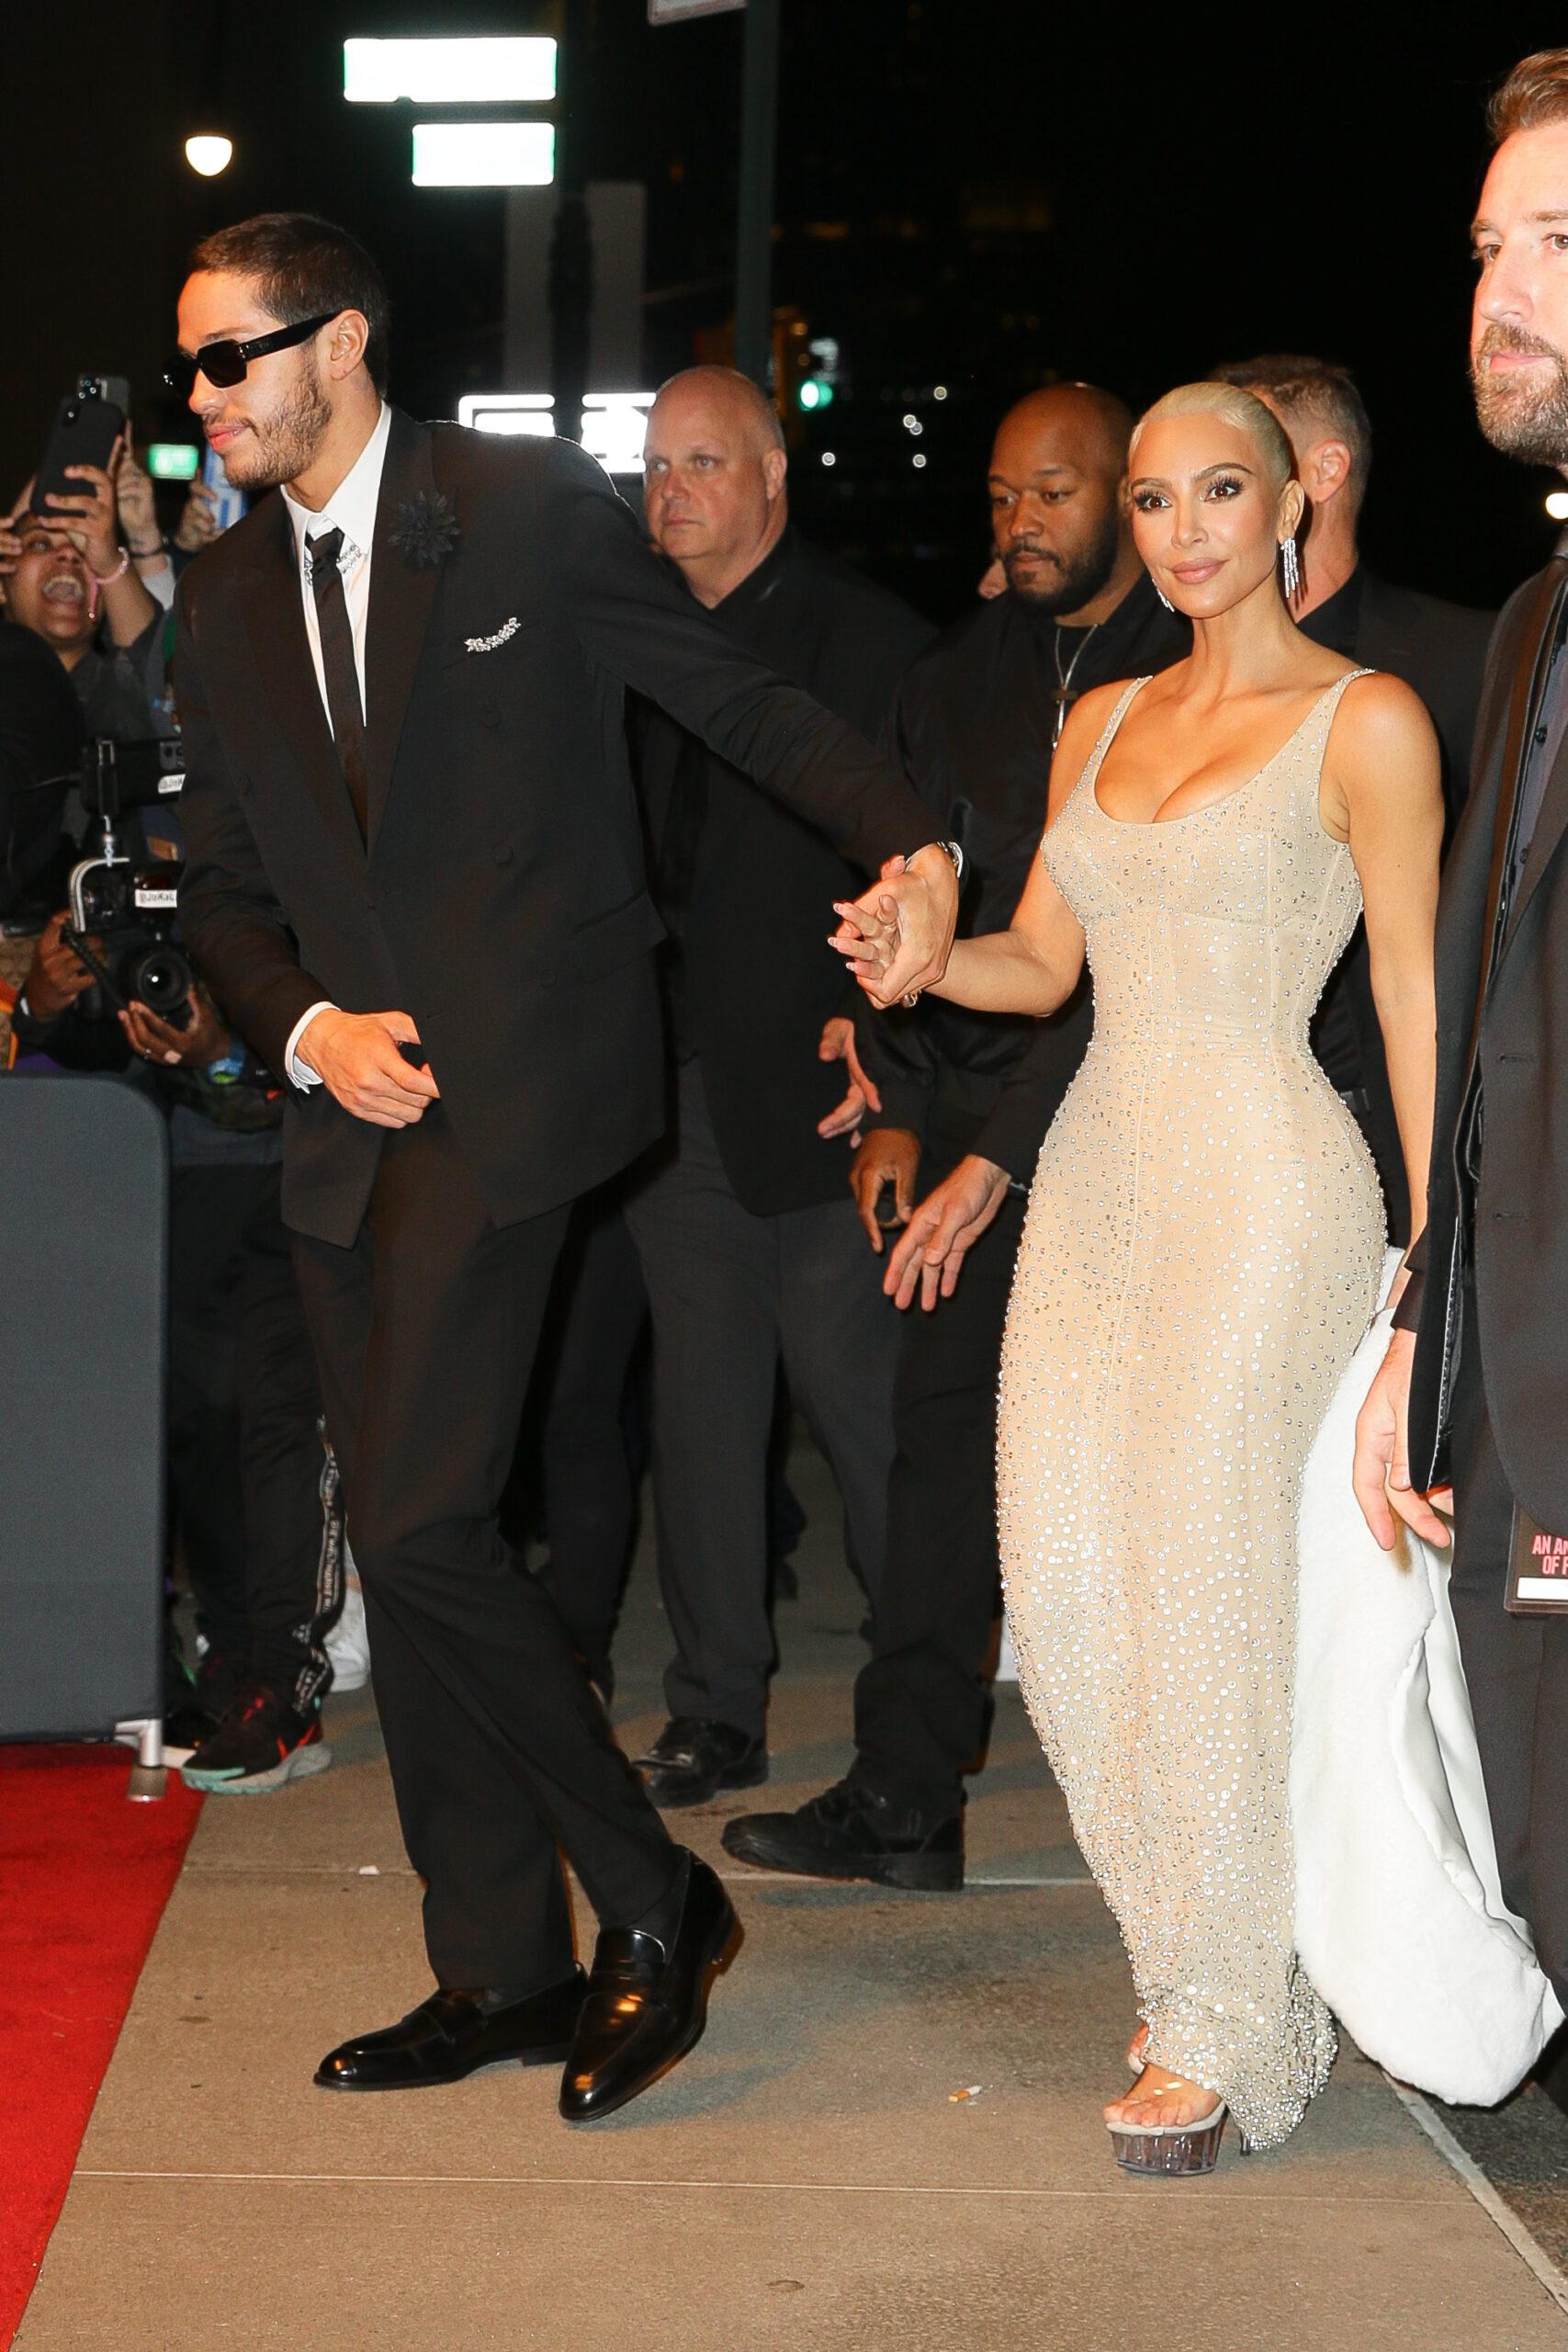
1538 1569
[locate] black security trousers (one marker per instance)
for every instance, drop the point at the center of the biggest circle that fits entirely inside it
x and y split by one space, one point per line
1517 1671
921 1699
262 1547
731 1293
425 1329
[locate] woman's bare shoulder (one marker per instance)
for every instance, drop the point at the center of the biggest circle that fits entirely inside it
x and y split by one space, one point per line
1379 714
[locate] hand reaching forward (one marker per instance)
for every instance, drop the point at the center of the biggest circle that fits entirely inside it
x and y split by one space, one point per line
943 1231
887 1156
839 1046
897 935
355 1056
1380 1473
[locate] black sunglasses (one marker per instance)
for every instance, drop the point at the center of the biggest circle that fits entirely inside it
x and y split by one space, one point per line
225 362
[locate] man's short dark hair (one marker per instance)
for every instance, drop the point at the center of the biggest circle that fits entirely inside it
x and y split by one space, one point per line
304 266
1319 393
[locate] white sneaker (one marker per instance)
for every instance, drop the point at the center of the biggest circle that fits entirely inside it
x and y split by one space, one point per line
348 1645
1007 1665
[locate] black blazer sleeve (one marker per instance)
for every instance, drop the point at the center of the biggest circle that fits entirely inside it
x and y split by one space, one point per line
637 621
232 922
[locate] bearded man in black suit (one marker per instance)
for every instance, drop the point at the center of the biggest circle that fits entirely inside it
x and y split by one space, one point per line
1474 1388
416 881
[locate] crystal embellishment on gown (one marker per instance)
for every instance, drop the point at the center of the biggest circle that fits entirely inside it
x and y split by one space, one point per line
1201 1259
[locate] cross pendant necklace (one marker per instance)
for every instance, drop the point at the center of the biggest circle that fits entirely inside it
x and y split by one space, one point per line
1062 686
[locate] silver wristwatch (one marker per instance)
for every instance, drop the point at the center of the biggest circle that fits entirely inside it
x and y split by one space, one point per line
948 849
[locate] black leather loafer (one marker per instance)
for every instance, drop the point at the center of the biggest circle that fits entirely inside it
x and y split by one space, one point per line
852 1832
450 2035
693 1759
647 2005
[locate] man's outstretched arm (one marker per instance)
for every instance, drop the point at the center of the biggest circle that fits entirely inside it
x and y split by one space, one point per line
637 619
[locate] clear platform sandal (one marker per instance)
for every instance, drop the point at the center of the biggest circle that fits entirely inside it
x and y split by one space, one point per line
1176 2152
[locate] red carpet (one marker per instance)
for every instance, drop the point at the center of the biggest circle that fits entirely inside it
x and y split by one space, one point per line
85 1876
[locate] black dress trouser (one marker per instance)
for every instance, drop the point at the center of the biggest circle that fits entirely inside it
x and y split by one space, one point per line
262 1545
921 1699
425 1330
1517 1671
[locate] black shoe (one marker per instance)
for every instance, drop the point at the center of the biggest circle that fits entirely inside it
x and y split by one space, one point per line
852 1832
692 1759
451 2035
261 1745
647 2000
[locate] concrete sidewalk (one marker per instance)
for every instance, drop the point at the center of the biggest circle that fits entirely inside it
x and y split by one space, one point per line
809 2179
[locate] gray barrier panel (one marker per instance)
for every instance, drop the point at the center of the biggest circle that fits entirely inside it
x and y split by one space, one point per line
83 1187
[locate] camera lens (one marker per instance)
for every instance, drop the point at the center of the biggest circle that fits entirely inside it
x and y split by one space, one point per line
162 978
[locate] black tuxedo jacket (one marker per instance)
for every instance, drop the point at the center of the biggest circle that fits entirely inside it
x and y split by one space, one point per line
501 899
1439 650
756 983
1519 1036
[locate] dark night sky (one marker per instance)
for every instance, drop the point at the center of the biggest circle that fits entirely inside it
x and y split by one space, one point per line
981 193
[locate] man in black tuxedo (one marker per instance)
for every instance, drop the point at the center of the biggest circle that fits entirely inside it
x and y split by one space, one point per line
415 877
1475 1382
750 1244
1436 648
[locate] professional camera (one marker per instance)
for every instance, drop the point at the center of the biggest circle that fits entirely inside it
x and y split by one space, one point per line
130 911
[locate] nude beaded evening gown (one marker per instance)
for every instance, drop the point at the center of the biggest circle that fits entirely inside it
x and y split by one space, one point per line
1201 1259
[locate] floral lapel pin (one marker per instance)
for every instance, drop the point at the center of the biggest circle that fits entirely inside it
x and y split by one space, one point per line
425 530
499 636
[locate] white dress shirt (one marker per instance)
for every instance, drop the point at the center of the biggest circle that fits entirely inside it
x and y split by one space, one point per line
351 509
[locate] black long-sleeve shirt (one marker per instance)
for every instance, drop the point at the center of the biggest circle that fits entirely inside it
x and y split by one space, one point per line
975 721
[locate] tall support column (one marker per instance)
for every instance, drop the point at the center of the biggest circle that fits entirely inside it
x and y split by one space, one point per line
759 141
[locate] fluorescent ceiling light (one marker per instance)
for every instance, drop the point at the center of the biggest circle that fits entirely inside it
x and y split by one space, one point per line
613 423
484 154
449 73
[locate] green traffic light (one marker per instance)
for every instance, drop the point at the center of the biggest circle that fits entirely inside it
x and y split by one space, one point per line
816 392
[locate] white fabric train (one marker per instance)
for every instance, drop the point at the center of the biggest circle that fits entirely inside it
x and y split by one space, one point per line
1400 1920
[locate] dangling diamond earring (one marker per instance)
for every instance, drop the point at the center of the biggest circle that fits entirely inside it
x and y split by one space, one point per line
1292 570
1164 600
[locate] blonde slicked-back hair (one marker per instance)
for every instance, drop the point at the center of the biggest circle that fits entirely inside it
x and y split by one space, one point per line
1237 407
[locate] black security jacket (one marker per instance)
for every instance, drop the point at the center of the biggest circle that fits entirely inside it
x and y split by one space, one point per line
502 901
756 980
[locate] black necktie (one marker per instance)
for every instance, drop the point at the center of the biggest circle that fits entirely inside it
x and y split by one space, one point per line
337 666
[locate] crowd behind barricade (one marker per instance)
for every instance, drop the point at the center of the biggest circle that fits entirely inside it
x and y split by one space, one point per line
822 1161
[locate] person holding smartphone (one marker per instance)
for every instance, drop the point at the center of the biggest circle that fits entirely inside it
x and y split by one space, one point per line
65 575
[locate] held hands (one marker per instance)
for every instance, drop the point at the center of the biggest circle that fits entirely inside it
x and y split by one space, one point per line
839 1046
355 1056
887 1156
943 1231
1381 1472
897 935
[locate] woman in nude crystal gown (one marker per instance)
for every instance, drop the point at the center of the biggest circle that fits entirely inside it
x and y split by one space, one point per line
1203 1251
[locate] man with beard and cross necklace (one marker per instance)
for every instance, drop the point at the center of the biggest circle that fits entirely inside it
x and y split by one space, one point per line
966 1099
